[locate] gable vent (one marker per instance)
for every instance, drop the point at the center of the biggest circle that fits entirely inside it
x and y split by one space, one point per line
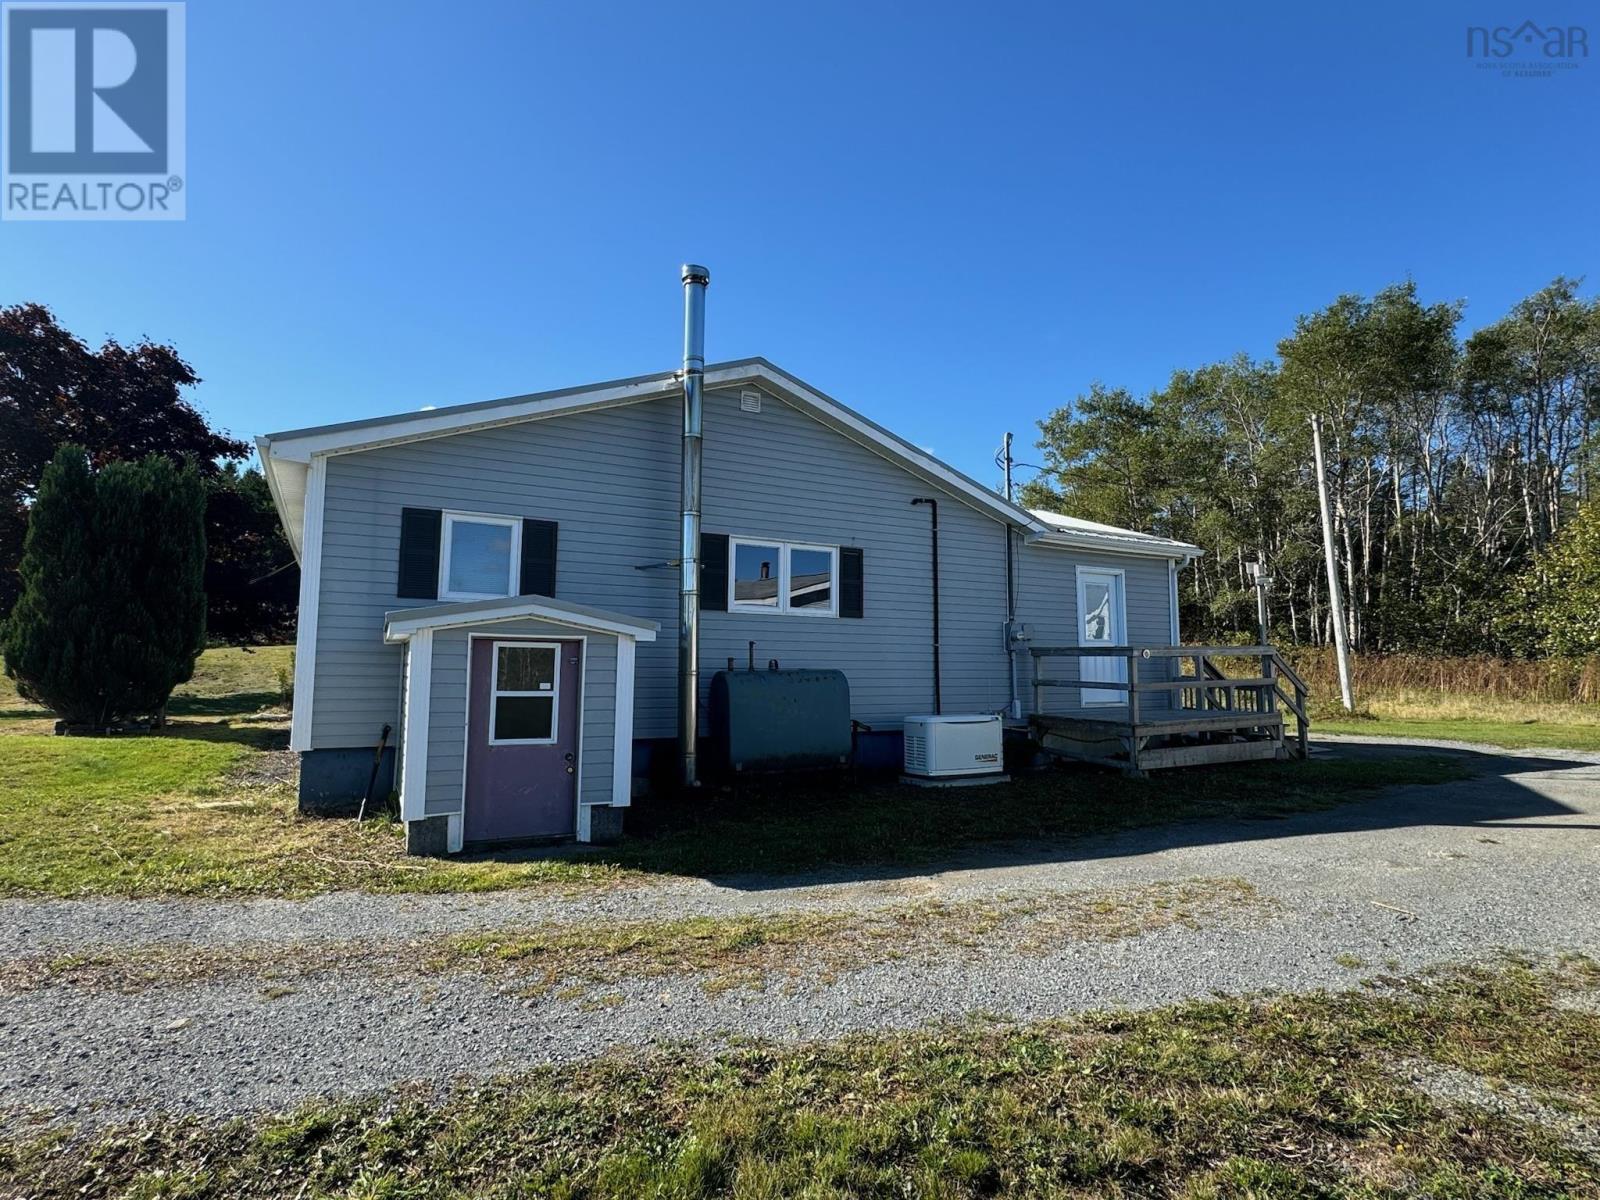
750 400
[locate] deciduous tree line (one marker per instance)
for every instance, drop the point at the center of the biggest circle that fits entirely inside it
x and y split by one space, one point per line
124 404
1455 465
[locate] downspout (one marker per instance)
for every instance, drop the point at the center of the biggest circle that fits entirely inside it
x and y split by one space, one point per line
938 702
695 280
1011 620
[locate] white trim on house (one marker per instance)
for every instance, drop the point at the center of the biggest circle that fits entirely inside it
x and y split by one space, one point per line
622 733
348 437
1172 577
280 450
552 694
514 559
1108 697
414 727
869 434
400 624
305 640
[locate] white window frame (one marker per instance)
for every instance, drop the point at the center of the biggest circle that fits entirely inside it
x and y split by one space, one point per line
450 518
495 692
785 550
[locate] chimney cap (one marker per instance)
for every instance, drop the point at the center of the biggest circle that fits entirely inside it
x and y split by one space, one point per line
693 273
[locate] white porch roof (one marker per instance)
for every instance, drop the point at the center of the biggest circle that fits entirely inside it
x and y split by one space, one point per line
400 624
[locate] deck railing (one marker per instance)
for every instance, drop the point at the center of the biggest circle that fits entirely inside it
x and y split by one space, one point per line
1198 684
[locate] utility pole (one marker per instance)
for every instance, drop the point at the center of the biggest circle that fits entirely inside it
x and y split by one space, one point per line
1341 647
1010 629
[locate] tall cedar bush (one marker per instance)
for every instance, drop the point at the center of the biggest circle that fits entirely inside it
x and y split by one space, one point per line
1555 606
112 613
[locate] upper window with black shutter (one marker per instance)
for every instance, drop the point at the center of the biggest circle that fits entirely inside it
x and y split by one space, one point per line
418 577
479 556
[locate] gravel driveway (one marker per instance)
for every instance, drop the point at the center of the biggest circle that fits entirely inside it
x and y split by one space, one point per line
1411 878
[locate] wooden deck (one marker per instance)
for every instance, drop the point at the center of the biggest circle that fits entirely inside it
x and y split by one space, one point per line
1191 715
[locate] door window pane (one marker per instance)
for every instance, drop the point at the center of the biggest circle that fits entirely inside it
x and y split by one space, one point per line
1097 612
524 718
480 558
525 669
811 579
756 574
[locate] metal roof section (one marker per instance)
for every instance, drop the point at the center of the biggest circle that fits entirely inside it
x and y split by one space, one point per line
1076 533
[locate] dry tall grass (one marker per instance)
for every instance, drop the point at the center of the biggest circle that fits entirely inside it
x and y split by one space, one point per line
1545 681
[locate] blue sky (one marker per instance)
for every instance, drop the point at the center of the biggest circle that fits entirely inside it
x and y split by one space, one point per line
952 217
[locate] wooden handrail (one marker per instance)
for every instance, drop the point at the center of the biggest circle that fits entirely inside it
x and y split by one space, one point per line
1212 689
1153 651
1294 676
1294 705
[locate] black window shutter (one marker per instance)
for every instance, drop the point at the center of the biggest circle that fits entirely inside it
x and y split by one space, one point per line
419 553
852 582
714 572
538 557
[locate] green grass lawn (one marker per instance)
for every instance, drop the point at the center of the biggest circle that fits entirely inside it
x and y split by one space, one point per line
1289 1097
1526 733
206 807
228 682
186 813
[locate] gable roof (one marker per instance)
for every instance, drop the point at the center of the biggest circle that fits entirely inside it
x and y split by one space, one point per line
286 456
402 623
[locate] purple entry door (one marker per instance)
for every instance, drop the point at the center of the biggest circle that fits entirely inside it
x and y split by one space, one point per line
522 739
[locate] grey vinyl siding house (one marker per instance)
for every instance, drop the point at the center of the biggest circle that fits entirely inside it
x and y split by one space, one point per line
791 478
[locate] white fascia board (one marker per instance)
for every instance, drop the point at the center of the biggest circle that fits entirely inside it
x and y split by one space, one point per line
622 733
305 651
414 729
274 470
399 629
887 445
299 446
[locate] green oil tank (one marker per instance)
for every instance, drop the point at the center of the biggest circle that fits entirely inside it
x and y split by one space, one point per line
780 720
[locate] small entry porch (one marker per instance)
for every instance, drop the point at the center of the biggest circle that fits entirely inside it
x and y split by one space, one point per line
1179 707
516 720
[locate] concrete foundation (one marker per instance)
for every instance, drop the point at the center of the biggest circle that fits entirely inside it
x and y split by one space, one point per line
429 836
605 824
954 781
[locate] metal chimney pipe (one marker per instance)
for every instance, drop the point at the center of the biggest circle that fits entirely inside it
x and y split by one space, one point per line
695 281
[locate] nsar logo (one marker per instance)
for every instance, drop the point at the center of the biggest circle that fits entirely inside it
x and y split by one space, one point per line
1528 50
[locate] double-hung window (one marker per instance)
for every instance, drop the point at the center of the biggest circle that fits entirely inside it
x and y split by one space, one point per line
478 556
526 697
783 577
